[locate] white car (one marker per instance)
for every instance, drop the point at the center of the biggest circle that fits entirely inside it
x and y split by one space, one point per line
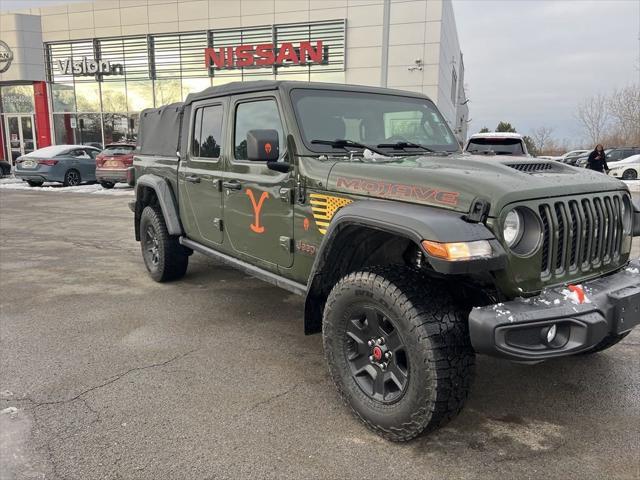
627 169
497 143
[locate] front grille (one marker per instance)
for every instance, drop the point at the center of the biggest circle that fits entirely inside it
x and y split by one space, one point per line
580 235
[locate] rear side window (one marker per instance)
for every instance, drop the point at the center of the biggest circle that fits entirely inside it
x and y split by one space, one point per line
207 132
262 114
118 149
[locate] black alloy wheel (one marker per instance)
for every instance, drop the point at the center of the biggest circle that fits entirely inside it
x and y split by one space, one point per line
72 178
376 354
151 246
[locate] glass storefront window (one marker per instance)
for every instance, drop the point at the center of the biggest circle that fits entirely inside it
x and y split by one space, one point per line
333 77
139 95
167 91
17 99
114 97
87 96
64 99
64 128
89 129
191 85
116 127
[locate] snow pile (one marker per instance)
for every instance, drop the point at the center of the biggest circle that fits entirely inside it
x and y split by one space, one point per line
12 183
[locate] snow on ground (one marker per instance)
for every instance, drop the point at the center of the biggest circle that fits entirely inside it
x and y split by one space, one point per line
12 183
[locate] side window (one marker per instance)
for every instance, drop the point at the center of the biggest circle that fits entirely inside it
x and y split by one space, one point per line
207 132
92 153
257 115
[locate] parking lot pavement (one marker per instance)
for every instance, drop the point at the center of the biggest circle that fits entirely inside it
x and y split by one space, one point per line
106 374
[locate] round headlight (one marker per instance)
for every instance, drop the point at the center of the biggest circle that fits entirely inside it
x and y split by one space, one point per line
512 228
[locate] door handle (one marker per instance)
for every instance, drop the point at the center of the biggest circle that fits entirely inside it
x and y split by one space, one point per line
192 179
232 185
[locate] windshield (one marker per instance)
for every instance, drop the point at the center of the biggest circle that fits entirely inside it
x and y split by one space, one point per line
370 119
497 146
118 149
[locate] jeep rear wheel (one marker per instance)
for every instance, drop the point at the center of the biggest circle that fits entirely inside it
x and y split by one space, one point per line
163 255
398 350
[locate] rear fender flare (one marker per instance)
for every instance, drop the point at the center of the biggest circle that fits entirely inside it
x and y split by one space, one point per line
166 199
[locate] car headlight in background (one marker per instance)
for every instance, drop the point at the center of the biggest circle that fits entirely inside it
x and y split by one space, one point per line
512 228
522 231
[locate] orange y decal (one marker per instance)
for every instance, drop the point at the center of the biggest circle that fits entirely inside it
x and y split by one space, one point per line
255 226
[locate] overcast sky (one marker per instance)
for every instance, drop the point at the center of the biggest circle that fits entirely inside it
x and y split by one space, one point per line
531 62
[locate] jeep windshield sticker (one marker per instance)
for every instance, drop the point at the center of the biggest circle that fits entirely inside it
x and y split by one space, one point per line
257 207
398 190
324 207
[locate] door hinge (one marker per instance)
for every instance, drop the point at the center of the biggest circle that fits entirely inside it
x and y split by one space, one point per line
217 184
217 222
287 244
285 194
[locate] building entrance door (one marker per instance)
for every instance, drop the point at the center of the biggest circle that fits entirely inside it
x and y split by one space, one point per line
21 136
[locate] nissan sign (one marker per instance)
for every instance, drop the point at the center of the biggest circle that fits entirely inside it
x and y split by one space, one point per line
6 57
266 54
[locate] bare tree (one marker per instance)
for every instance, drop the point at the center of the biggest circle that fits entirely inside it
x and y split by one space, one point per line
593 117
541 138
624 109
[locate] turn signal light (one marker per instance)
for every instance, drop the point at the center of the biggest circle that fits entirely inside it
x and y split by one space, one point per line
458 250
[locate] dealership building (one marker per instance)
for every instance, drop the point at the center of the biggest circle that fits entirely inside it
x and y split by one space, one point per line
82 72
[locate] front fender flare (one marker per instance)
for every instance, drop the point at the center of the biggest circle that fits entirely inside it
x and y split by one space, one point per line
166 199
414 222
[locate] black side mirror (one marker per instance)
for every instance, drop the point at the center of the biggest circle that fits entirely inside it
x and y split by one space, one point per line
263 145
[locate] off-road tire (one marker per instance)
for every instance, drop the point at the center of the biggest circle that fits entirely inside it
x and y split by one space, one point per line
172 258
434 331
107 185
72 178
33 183
606 343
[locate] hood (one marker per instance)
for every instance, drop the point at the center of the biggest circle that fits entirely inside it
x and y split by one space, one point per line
454 181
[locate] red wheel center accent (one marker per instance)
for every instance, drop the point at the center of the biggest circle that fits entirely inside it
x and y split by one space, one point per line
377 353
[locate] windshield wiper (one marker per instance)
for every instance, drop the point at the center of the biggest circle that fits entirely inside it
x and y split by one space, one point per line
343 143
404 146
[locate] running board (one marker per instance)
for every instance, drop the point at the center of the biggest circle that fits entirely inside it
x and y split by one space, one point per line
269 277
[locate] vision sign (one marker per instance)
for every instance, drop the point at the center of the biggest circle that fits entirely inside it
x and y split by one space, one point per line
266 54
88 67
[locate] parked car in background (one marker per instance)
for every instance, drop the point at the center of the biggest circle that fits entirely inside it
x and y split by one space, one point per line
573 155
69 164
5 168
112 163
627 169
611 155
497 143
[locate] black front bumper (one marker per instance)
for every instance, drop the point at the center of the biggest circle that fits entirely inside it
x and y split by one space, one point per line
517 330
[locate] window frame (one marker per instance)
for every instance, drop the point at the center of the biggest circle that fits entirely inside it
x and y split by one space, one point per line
194 109
239 101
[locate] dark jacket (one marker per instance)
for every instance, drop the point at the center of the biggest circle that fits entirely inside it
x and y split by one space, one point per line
597 162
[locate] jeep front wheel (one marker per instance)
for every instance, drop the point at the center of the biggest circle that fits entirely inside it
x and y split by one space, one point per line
398 350
163 255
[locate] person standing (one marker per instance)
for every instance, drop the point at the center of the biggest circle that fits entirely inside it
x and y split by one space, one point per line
597 160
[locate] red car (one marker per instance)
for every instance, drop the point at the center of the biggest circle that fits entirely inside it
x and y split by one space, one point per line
112 163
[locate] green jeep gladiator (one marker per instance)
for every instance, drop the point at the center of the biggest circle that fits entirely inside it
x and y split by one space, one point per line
412 256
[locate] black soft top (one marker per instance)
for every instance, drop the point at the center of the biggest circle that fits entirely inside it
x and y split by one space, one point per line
159 130
234 88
